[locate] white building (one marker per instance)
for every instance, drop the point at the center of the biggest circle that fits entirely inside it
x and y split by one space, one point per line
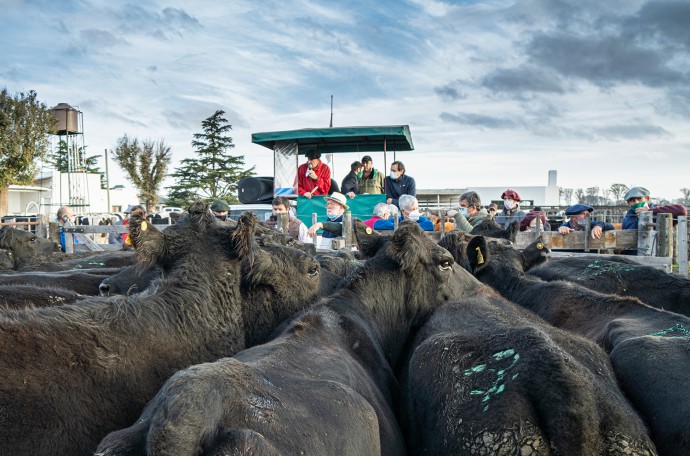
81 191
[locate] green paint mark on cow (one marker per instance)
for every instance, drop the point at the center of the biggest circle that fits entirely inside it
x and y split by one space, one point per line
674 332
498 385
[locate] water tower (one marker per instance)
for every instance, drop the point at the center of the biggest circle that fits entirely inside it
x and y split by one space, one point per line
70 144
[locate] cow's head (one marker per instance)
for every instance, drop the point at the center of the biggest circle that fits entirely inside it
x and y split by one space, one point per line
489 228
509 258
25 244
197 235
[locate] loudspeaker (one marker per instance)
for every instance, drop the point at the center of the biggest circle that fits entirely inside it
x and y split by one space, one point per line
255 190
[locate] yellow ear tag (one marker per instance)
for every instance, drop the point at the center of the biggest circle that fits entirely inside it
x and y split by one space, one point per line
128 241
540 246
480 257
369 230
144 226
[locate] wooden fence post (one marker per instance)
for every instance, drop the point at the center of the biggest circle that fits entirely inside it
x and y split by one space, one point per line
644 233
316 236
396 222
347 228
588 229
683 245
283 221
664 226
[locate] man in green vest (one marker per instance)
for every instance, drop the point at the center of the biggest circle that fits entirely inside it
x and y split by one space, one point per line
370 180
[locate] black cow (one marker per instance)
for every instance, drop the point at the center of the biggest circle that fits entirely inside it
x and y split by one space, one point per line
651 285
649 348
324 384
73 373
84 282
25 244
23 296
129 280
78 260
489 228
6 260
487 377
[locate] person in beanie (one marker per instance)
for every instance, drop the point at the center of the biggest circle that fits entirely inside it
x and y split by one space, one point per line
578 221
511 209
638 200
314 176
336 205
220 209
370 180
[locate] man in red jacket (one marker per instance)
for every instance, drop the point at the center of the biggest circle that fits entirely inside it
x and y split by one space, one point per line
314 176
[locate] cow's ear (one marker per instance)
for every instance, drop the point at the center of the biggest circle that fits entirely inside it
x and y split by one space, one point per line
514 229
534 254
6 237
242 238
406 247
477 253
147 240
369 241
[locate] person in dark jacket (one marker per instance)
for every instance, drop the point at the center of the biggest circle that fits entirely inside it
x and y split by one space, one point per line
578 221
350 187
638 200
511 209
398 183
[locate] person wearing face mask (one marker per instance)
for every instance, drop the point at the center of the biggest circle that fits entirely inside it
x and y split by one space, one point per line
638 200
220 209
578 221
398 183
336 205
296 229
511 209
471 212
409 210
529 223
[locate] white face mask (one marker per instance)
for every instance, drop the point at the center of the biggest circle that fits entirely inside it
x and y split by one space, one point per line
414 215
394 175
509 204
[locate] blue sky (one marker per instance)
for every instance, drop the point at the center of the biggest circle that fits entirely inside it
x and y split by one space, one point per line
496 93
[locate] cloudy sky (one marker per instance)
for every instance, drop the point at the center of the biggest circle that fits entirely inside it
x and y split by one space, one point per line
496 93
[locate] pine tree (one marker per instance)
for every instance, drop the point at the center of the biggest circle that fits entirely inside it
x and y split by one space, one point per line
214 173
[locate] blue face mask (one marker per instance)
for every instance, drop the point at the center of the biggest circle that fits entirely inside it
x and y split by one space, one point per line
463 211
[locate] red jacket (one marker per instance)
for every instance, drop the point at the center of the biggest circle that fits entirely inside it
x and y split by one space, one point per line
305 184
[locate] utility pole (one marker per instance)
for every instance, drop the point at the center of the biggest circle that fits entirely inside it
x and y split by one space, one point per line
107 180
331 124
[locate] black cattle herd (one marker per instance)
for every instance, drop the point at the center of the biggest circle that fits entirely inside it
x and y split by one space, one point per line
227 338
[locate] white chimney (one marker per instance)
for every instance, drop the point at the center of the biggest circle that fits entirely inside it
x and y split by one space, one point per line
553 178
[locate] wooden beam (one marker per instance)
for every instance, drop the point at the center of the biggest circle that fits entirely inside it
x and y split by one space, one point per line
614 239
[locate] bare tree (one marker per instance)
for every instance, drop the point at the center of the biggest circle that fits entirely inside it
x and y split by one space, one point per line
146 164
686 196
565 195
617 191
592 197
580 196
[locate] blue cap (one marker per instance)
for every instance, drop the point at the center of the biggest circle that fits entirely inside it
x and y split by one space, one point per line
577 208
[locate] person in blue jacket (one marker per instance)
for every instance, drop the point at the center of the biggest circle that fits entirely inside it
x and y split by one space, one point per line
409 210
578 221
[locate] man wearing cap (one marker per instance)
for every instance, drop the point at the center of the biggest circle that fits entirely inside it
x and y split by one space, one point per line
578 221
336 205
511 209
350 185
314 176
220 209
370 180
638 200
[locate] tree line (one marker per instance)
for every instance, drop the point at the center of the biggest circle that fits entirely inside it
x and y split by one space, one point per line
612 196
213 172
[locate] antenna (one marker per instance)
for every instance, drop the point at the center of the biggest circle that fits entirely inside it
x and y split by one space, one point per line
331 124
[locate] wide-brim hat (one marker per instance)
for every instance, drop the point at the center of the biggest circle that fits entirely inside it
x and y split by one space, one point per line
338 198
510 194
577 208
636 192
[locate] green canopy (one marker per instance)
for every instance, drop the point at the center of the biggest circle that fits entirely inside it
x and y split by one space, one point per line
342 139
